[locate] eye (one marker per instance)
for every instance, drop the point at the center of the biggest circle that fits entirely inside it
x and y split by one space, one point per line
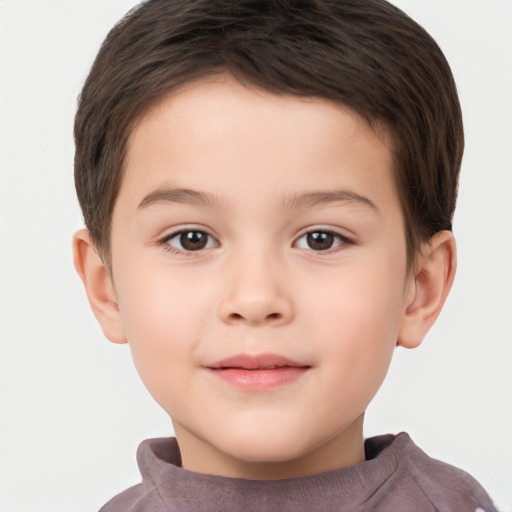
321 240
190 240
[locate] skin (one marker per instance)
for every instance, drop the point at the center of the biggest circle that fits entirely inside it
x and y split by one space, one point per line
259 285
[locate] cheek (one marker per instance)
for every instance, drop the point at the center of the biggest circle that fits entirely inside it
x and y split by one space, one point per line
164 316
362 302
357 317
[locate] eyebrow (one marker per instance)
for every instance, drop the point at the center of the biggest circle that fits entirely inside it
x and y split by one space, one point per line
311 199
177 195
294 201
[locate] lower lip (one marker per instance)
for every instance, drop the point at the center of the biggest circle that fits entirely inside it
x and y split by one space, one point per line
260 379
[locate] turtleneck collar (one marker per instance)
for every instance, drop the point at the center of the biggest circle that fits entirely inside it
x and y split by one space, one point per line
159 461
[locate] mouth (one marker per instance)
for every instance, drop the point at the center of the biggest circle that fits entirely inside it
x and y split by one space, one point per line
258 372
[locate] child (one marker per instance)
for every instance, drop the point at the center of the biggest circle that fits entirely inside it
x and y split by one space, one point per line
268 188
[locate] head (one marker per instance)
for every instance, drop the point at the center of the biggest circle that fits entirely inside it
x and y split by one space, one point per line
267 184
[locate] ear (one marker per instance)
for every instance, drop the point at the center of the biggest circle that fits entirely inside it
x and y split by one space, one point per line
98 286
428 287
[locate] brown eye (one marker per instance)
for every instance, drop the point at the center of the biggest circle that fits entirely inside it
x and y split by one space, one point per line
191 240
320 240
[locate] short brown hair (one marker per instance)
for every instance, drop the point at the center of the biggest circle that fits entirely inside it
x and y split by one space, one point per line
366 54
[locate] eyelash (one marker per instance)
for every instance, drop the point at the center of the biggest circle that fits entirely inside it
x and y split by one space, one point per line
341 241
168 247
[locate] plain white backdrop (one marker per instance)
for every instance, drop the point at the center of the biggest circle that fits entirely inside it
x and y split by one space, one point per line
73 409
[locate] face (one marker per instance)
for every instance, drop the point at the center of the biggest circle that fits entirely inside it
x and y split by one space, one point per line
259 266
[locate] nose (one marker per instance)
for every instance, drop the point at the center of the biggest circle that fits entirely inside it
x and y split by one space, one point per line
255 292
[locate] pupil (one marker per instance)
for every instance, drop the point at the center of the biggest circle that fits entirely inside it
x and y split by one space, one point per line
193 240
320 240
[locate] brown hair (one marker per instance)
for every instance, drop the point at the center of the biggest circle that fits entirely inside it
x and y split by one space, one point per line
366 54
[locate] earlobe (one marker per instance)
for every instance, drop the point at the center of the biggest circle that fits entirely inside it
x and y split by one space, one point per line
98 286
428 288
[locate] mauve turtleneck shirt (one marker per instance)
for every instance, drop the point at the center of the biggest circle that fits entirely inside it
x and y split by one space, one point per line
396 477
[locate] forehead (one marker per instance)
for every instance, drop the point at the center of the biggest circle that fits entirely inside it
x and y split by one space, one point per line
218 134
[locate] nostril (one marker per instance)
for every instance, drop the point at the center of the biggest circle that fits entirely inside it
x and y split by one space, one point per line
237 317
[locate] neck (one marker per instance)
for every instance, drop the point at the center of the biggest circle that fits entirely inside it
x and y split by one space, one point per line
343 450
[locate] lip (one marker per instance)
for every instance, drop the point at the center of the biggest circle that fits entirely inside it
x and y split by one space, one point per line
258 372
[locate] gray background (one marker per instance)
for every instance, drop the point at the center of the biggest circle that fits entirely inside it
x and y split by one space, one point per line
72 407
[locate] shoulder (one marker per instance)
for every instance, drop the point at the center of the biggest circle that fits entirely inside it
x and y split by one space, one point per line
445 486
139 498
153 456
